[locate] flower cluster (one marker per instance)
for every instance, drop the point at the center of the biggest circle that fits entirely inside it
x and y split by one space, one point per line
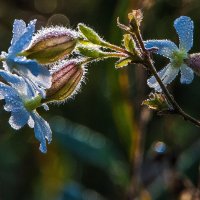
36 71
40 68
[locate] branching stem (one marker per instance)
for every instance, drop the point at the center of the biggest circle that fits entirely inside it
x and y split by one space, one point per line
149 64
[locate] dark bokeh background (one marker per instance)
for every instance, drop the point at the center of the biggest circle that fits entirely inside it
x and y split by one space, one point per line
95 134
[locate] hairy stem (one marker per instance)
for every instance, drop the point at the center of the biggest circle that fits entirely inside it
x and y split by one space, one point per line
149 64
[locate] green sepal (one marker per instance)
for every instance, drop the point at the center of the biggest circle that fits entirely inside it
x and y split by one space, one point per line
123 62
157 101
32 104
92 52
90 34
85 42
129 44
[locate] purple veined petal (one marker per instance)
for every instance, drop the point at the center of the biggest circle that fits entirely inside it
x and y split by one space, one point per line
19 117
19 28
184 27
42 131
23 41
165 47
187 74
152 83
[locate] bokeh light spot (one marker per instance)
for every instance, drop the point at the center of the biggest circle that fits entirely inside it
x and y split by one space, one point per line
159 147
45 6
58 19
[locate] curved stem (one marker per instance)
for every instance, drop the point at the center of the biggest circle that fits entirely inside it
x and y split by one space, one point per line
176 108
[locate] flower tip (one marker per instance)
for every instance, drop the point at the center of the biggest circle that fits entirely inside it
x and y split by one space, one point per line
43 148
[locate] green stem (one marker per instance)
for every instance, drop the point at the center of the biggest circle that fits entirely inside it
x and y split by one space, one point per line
32 104
107 55
116 48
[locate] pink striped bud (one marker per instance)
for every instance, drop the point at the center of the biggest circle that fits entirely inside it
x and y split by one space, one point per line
66 79
51 44
193 62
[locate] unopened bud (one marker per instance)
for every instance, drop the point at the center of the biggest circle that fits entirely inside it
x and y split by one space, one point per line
193 61
51 44
157 101
66 79
135 18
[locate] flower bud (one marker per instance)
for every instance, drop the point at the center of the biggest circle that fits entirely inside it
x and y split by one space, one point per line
135 18
66 79
193 62
51 44
157 101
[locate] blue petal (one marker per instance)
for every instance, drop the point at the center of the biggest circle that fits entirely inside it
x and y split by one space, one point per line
19 117
31 122
14 80
14 104
165 47
23 41
18 83
184 27
13 100
19 27
170 74
29 68
152 82
187 74
40 74
42 131
32 65
167 75
5 90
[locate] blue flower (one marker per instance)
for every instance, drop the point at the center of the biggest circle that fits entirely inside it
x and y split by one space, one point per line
22 100
184 28
30 69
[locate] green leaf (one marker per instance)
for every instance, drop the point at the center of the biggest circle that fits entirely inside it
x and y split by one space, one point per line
85 42
90 34
129 43
123 62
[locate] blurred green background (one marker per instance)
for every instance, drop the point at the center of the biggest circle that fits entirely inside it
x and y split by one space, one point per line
95 135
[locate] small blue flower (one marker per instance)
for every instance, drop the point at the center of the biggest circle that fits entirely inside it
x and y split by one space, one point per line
22 100
22 35
184 28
